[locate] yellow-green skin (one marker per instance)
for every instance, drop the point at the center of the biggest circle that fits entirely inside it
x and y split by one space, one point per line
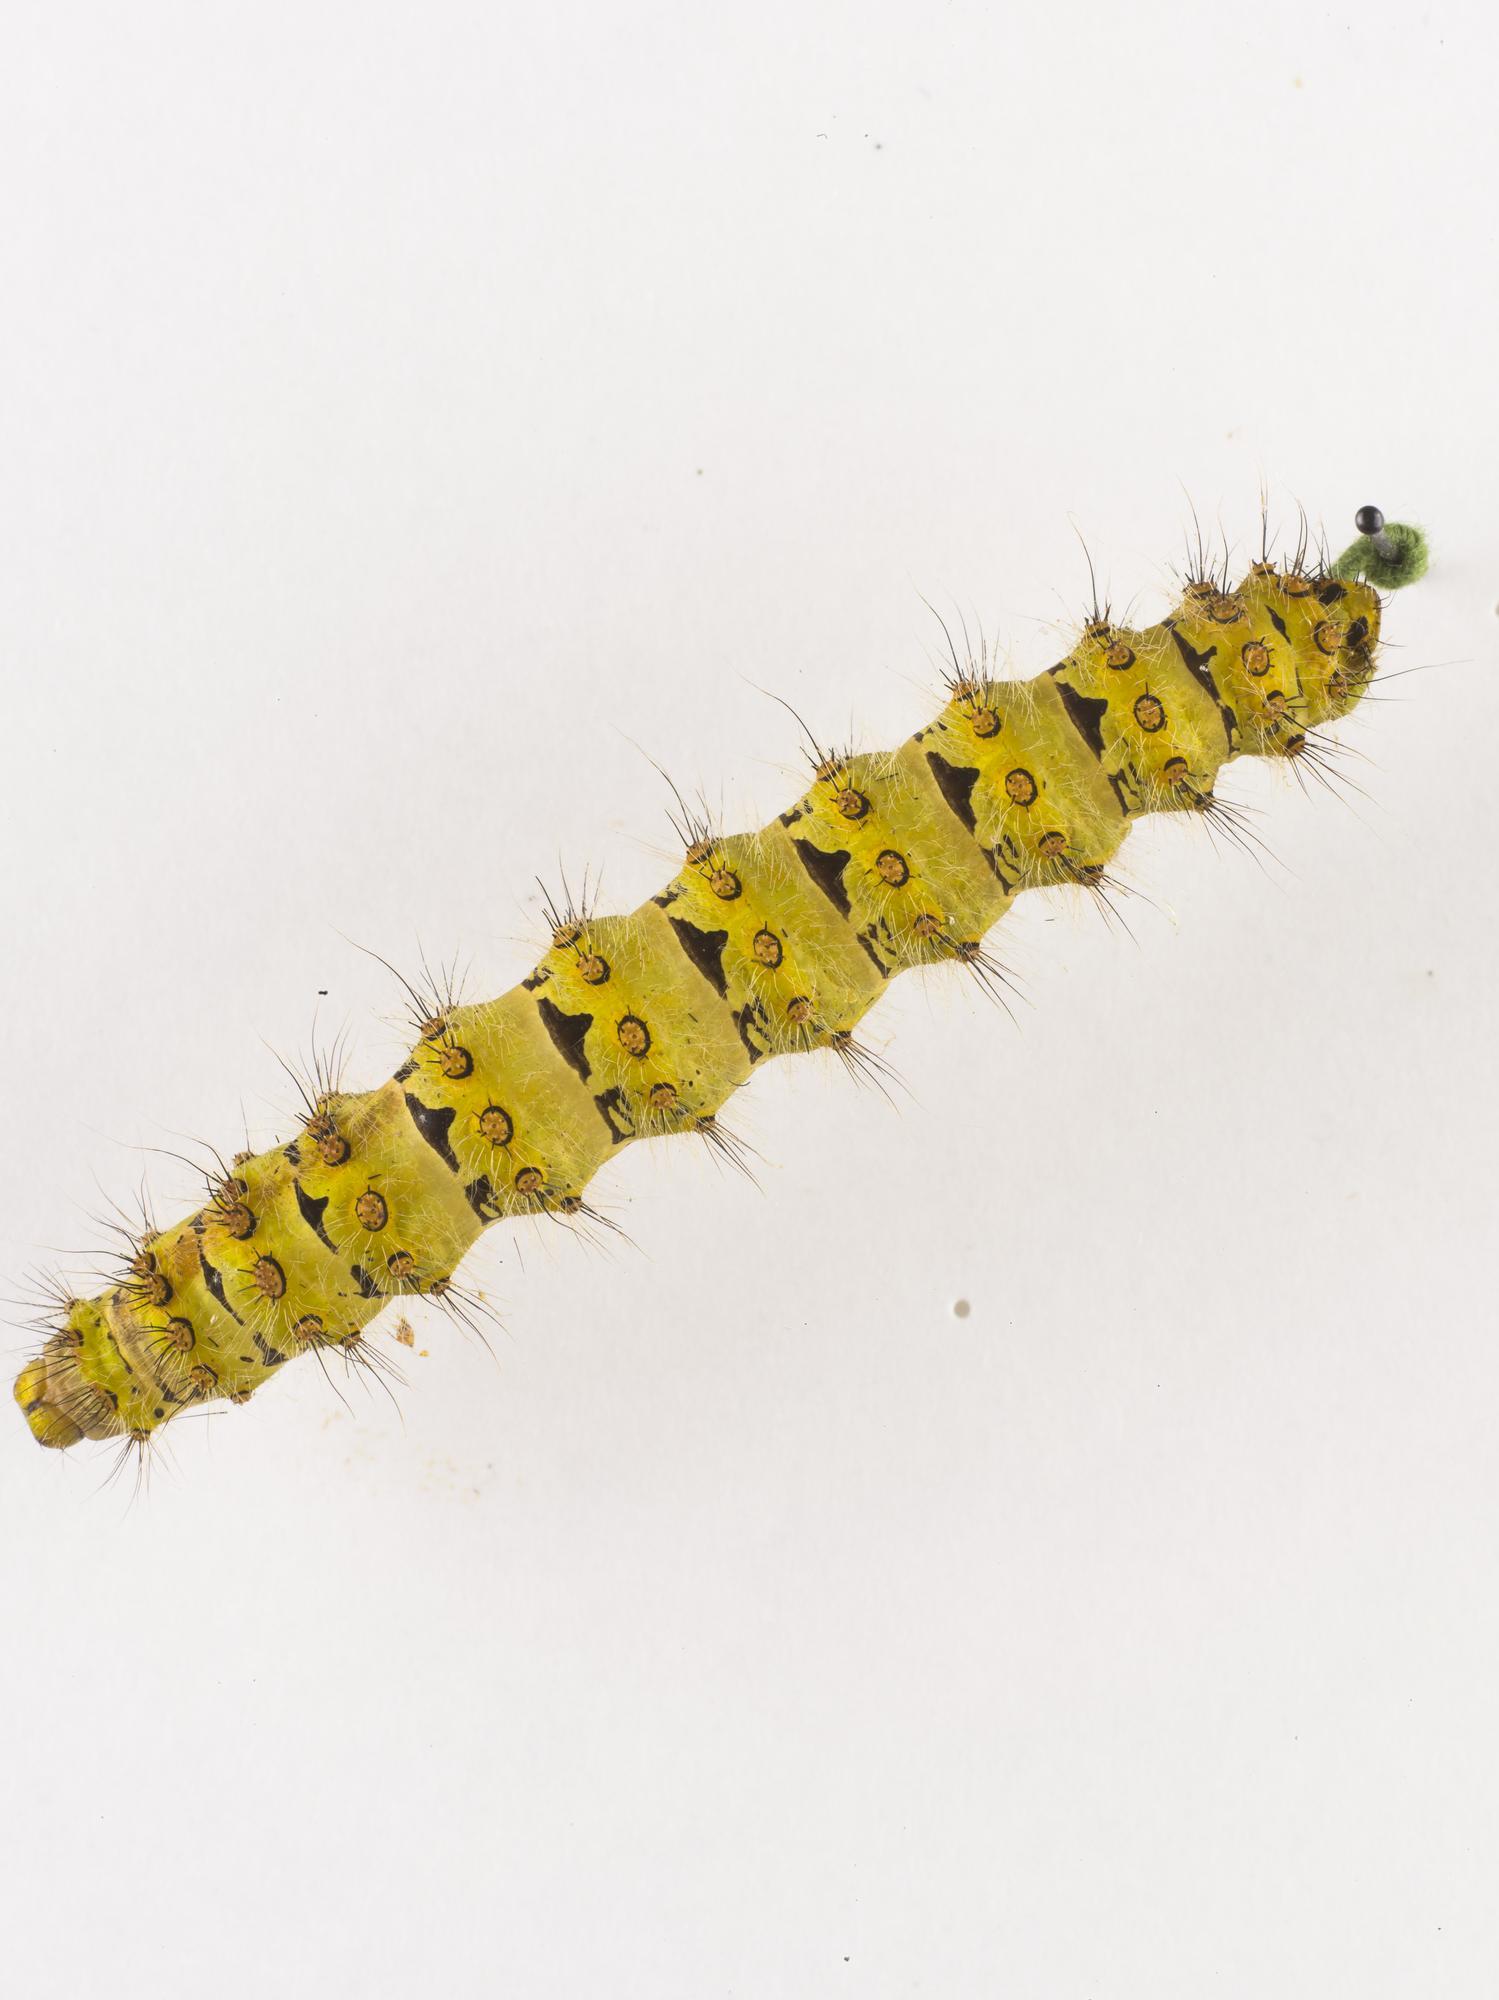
765 943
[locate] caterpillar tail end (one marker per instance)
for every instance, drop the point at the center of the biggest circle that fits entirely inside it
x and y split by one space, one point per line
48 1424
1388 554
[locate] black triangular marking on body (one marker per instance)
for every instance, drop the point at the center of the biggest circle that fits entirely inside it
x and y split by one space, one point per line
432 1121
480 1196
752 1016
312 1208
215 1284
866 939
1119 793
1278 622
956 783
1198 665
567 1032
1086 713
991 855
367 1287
271 1356
614 1109
826 871
705 949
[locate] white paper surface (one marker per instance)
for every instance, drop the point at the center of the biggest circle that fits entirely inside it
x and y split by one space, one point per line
412 415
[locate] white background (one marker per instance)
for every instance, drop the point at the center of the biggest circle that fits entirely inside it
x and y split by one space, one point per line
411 415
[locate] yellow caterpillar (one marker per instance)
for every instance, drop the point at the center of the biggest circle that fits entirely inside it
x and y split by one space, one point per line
774 942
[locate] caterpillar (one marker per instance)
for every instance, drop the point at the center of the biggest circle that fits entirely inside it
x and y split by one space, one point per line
767 943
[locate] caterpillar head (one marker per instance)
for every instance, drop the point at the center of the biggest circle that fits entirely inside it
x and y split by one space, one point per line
1344 639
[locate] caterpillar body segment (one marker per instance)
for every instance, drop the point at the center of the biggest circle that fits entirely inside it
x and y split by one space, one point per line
765 943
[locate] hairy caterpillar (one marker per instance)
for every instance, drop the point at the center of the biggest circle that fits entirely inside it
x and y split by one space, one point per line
773 942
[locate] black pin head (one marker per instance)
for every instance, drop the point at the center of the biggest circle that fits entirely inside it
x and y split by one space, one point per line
1388 554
